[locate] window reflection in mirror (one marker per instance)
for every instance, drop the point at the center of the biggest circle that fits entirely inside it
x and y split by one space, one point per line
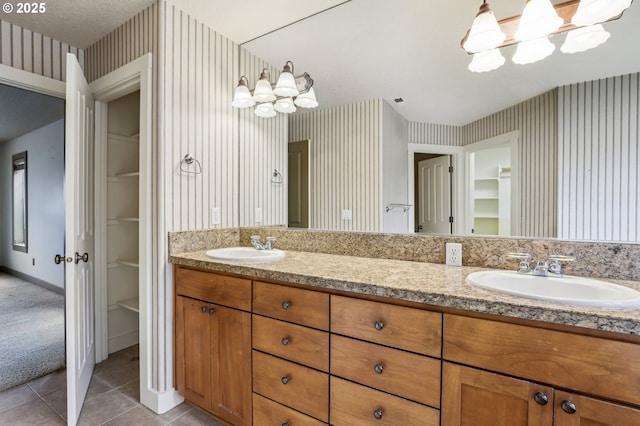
19 174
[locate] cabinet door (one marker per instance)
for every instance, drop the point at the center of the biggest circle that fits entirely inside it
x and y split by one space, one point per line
478 398
575 410
193 355
231 365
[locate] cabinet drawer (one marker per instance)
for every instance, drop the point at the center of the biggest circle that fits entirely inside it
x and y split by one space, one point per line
294 342
353 404
592 365
409 375
293 385
396 326
219 289
267 412
306 307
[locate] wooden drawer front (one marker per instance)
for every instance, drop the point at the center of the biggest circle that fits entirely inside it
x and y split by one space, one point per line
305 390
294 342
219 289
588 364
412 376
267 413
306 307
353 404
396 326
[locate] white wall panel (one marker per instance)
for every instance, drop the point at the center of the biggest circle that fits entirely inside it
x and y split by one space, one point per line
598 159
32 52
345 153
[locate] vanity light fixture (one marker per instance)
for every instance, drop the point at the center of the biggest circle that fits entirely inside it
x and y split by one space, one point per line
282 97
580 19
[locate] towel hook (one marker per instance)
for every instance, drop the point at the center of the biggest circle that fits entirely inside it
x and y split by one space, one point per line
276 177
187 161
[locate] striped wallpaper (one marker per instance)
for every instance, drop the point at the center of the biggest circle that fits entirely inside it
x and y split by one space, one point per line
29 51
537 121
599 153
345 153
435 134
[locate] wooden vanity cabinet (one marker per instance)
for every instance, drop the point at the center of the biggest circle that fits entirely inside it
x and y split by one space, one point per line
520 358
213 343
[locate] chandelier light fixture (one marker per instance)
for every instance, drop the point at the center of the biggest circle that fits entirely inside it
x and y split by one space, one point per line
283 97
580 19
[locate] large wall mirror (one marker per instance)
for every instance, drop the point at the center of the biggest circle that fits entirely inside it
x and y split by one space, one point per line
19 202
575 117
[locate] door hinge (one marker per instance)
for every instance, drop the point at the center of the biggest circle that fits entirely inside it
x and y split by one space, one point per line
450 219
450 169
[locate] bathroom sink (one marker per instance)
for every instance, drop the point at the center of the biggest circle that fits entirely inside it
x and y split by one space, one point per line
245 254
567 289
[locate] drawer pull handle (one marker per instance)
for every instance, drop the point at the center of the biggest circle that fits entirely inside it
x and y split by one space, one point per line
378 368
379 325
285 380
203 309
212 311
378 413
568 407
285 341
541 398
286 304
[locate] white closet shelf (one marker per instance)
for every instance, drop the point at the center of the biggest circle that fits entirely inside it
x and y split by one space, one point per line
486 216
132 304
115 137
124 262
123 177
121 220
486 198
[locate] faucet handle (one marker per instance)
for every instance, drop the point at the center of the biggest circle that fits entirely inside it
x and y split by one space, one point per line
524 266
555 265
255 238
271 238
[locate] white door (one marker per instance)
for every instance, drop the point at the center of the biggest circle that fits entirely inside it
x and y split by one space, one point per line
434 192
79 238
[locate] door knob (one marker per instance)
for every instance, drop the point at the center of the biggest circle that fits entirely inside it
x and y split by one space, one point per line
83 257
60 259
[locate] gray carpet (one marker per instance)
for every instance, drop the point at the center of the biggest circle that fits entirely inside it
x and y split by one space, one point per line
31 331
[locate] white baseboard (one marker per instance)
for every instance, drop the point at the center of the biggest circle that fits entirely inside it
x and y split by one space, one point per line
160 402
122 341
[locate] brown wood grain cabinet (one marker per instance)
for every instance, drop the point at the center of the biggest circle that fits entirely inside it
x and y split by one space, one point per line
253 352
213 347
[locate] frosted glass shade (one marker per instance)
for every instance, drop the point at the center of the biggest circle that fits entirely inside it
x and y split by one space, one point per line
286 85
485 32
285 105
486 61
594 11
265 110
307 100
539 19
242 97
584 38
263 91
533 51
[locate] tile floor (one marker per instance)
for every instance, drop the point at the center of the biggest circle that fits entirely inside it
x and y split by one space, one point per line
112 399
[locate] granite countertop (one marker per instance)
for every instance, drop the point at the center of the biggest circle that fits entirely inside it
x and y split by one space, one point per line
429 283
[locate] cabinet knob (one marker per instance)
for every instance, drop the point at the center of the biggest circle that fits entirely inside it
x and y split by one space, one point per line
568 407
212 311
378 414
285 380
378 368
379 325
286 304
285 424
285 341
203 309
541 398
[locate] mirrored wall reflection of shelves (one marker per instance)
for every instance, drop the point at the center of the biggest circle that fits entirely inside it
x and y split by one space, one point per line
123 200
486 202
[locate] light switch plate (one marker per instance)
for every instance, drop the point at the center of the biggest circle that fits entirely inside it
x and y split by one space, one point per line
258 214
347 215
215 216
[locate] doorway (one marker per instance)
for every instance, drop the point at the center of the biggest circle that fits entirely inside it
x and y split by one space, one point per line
31 233
433 193
298 185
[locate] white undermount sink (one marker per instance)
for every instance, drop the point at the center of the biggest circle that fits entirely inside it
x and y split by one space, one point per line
245 254
567 289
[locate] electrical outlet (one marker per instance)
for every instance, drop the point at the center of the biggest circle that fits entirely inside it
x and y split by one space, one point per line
215 216
347 215
454 254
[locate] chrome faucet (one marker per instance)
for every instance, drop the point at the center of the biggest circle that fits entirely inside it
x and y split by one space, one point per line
258 245
544 268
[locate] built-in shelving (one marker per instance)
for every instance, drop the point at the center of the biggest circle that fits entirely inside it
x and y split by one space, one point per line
132 304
